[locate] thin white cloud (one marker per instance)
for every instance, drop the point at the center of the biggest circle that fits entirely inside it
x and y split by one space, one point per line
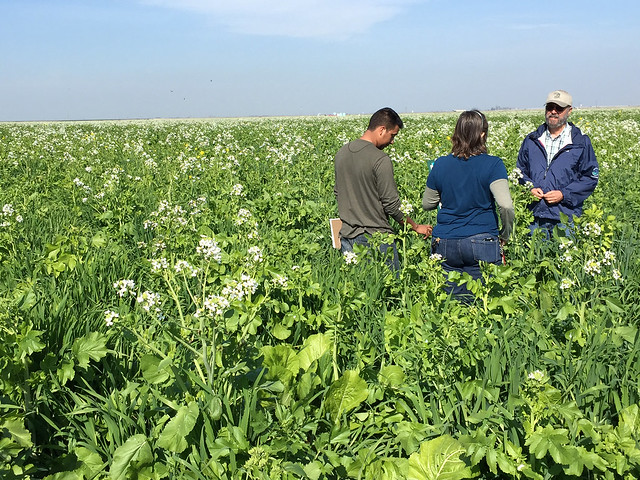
336 19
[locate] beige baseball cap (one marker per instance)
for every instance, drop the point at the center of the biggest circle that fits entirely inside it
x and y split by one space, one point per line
560 98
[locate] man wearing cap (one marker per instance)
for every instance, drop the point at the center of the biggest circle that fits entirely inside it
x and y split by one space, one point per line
559 161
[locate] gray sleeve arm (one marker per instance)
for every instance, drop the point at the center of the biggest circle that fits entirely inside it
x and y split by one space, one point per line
430 199
500 190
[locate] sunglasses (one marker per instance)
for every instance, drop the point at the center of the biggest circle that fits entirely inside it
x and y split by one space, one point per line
552 106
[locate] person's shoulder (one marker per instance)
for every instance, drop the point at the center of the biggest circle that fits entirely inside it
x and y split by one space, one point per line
537 133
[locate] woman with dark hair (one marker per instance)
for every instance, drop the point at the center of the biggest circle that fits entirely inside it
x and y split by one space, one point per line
467 184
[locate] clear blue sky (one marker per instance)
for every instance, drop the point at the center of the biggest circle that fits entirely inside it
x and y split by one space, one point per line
100 59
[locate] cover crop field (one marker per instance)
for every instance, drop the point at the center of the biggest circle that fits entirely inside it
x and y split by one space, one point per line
171 308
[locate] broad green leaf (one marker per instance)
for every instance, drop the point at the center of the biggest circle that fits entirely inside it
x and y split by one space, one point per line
151 370
629 423
580 457
281 332
134 453
90 347
315 346
391 375
65 476
14 428
282 356
346 393
30 343
313 470
66 371
92 463
173 435
549 440
439 459
628 333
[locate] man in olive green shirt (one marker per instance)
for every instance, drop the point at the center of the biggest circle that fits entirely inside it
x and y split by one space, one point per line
365 189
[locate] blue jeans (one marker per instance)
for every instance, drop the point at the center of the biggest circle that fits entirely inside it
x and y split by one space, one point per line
547 225
463 255
391 257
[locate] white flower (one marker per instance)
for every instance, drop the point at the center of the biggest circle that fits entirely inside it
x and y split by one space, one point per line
616 274
216 304
536 375
159 264
243 216
182 266
281 281
566 283
237 290
609 257
592 267
125 287
7 210
592 229
351 258
149 300
565 243
19 218
110 316
237 190
209 249
406 207
435 256
255 253
515 176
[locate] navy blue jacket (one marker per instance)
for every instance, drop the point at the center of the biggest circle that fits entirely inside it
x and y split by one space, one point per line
573 171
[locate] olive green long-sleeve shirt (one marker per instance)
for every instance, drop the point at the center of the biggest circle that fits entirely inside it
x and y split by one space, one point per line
365 189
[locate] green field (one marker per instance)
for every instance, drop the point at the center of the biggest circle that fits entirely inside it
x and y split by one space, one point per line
171 308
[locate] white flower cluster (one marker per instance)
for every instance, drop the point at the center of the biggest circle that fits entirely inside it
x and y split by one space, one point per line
237 290
125 287
209 249
8 214
237 190
281 281
515 176
351 258
182 266
255 254
609 257
406 207
149 301
243 216
195 205
158 264
80 184
166 214
566 283
592 267
215 305
536 375
616 274
110 316
592 229
435 256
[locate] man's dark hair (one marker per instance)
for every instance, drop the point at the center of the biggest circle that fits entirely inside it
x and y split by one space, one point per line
385 117
467 139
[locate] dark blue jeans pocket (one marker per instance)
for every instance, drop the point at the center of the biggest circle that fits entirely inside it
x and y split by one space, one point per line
486 248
